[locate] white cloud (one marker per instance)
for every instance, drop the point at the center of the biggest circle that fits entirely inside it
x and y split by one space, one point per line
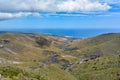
17 8
4 16
51 5
82 5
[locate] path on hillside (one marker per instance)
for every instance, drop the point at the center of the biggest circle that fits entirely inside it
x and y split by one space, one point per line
10 51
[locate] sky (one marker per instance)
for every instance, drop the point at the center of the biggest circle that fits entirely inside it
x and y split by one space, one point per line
67 14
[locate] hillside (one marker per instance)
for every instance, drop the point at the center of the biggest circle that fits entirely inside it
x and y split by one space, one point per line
30 56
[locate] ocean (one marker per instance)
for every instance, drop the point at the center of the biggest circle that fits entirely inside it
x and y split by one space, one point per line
77 33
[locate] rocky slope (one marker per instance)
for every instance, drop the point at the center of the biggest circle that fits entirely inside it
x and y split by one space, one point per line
49 57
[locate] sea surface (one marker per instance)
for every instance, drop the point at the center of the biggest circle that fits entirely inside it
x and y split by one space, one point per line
77 33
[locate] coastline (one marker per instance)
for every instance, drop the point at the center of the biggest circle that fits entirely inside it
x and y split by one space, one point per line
74 33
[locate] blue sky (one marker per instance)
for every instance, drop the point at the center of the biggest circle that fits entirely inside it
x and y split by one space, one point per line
59 14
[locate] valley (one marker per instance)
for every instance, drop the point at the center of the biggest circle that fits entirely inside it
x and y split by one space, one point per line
32 56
